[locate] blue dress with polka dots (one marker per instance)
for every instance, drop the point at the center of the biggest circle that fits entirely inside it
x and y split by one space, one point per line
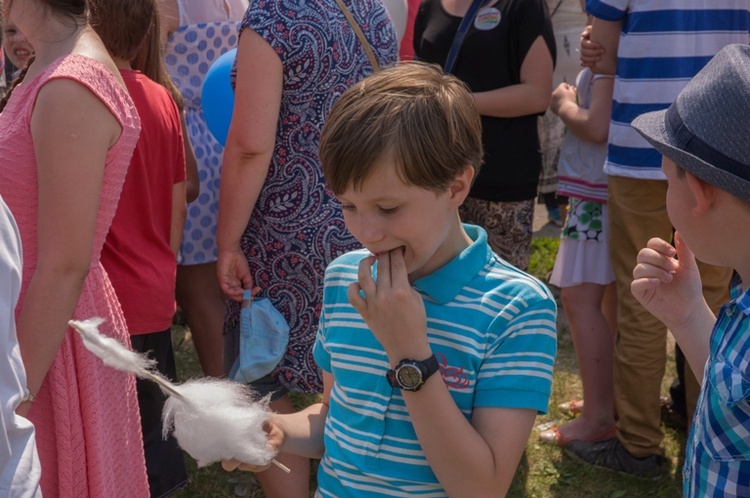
297 228
190 51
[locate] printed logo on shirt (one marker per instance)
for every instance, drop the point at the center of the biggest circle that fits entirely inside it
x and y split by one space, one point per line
487 19
454 377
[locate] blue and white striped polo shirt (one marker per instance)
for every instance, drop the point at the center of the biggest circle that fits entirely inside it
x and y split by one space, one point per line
492 328
717 458
663 44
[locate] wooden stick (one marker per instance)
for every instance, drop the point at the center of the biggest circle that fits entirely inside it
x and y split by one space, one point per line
280 465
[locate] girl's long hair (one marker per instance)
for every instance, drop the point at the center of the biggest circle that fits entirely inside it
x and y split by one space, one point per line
150 61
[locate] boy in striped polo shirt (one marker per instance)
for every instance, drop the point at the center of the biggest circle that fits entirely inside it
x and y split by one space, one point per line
703 137
436 354
653 47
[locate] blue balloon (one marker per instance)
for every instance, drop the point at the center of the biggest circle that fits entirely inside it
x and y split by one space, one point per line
217 96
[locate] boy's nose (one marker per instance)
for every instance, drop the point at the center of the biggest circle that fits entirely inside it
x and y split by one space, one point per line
369 231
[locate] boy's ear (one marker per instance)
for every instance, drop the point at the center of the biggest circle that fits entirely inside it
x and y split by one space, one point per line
461 185
704 193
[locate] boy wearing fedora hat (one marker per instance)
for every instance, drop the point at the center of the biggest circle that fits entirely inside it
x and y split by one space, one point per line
654 48
703 137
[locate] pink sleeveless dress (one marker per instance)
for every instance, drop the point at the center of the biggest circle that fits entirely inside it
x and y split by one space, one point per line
88 428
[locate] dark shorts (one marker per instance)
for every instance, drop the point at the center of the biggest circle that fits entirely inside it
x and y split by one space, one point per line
164 461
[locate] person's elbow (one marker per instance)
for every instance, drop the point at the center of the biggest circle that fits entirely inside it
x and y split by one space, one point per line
73 270
243 153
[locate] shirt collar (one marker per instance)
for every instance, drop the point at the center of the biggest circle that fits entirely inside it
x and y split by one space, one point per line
444 284
743 302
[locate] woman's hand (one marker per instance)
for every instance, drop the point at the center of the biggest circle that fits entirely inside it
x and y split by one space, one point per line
233 273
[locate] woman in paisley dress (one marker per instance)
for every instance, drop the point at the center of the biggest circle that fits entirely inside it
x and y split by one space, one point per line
197 33
279 226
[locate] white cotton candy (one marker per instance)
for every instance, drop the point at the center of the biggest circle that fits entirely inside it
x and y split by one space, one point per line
111 351
212 419
117 355
221 421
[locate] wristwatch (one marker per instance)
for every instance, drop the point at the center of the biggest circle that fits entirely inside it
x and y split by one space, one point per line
410 375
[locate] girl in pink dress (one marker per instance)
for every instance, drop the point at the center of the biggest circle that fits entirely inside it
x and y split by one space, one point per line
67 133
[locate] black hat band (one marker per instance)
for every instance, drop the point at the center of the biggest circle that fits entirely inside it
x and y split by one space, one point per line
691 144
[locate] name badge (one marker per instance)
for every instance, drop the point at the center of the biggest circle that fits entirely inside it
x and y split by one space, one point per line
487 19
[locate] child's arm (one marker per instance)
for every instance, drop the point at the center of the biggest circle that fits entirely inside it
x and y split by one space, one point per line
667 283
474 458
179 211
298 433
192 180
470 459
302 432
605 35
590 124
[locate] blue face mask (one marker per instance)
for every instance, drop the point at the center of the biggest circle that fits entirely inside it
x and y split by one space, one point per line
264 335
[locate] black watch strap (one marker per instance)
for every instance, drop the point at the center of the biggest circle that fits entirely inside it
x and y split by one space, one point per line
410 374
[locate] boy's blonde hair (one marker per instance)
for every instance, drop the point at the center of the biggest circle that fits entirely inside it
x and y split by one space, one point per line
423 120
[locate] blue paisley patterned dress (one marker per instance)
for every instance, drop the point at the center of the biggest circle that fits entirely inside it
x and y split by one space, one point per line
297 227
190 51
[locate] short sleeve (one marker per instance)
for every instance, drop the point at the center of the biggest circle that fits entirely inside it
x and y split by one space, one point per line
534 21
268 18
320 353
419 21
180 173
517 372
608 10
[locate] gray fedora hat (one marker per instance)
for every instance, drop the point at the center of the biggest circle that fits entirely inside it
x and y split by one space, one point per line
706 131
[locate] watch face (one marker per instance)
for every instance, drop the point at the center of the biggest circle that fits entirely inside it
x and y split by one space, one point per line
409 376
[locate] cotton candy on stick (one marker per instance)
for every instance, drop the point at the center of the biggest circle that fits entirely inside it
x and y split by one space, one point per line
212 419
217 420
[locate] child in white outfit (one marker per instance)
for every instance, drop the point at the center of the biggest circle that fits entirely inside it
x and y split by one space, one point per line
582 269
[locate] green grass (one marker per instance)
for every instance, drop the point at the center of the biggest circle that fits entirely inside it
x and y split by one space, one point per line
544 470
543 253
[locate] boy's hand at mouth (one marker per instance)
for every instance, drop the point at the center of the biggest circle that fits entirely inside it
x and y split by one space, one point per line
391 308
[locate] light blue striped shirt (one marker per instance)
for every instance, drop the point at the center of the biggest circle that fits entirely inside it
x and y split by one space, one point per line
493 330
717 457
663 44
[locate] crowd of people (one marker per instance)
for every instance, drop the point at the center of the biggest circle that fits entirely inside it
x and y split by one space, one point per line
385 209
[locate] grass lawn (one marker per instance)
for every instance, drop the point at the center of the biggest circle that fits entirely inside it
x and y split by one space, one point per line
544 470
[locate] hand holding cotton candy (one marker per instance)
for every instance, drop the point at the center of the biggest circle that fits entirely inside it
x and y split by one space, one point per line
212 419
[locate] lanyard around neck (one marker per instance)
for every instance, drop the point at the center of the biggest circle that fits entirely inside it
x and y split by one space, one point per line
458 39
